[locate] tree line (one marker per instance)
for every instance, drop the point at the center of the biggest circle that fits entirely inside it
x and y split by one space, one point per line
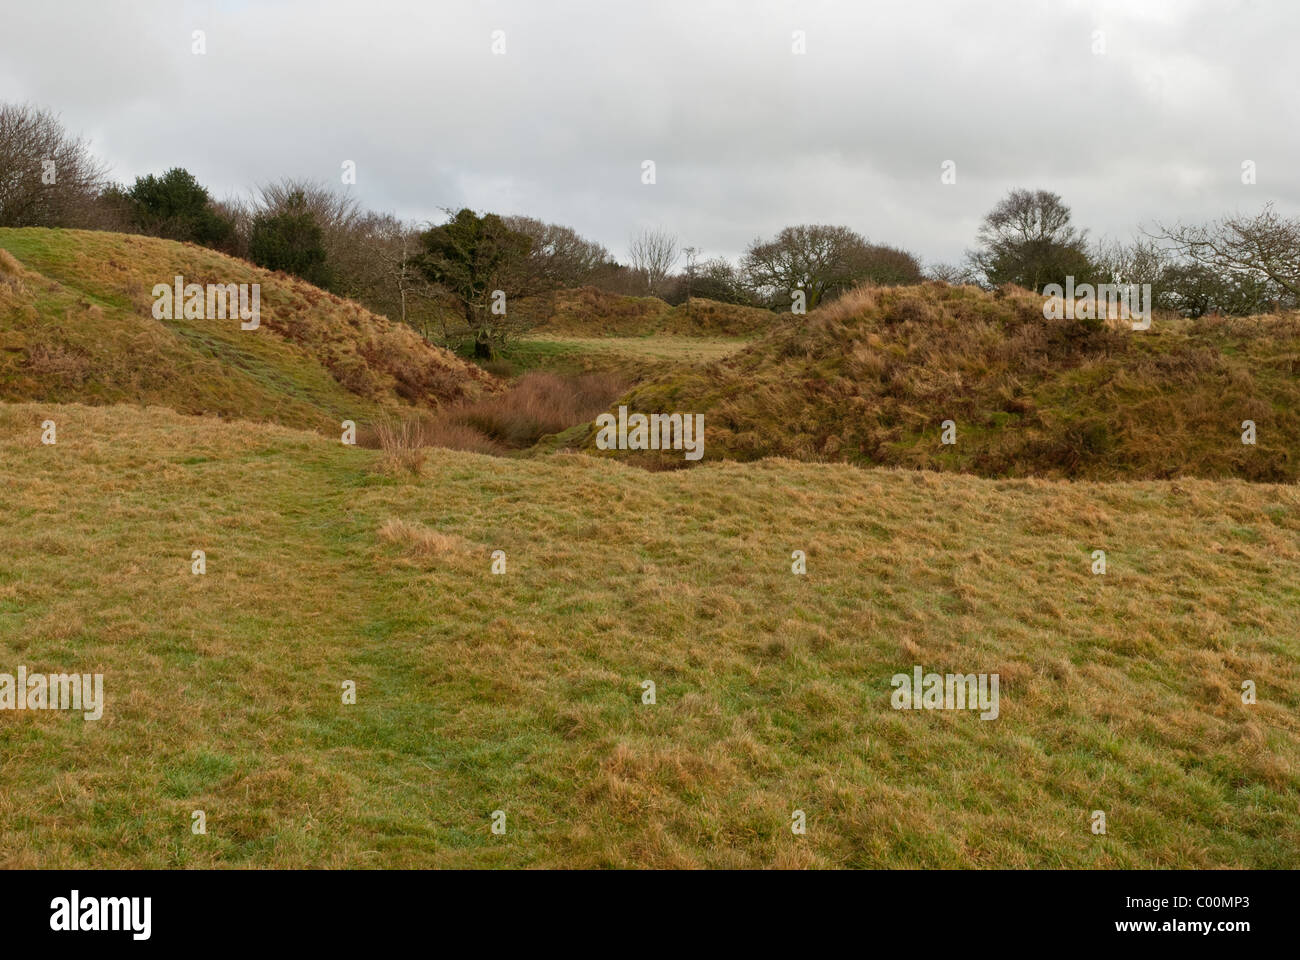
483 277
1237 265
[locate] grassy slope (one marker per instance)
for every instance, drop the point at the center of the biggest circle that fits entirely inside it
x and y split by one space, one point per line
76 324
638 357
871 378
591 330
589 312
521 692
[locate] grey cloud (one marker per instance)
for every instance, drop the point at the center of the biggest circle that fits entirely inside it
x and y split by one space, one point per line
746 136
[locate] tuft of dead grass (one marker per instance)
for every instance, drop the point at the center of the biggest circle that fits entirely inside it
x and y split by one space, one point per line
539 404
58 366
422 540
536 405
402 441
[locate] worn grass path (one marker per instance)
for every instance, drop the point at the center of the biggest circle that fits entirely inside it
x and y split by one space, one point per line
522 692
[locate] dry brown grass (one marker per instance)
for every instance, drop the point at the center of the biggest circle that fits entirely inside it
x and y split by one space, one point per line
594 312
536 405
645 354
315 360
589 312
402 441
871 377
539 404
422 540
521 692
58 367
446 432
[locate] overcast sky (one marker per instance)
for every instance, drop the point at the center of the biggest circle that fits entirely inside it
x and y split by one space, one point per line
746 135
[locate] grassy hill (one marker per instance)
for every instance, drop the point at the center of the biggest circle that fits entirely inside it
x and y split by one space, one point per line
590 312
76 323
522 692
871 378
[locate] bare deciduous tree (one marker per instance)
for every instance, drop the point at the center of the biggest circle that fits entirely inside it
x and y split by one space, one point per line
1266 246
336 213
560 256
47 178
391 247
332 209
1028 239
654 253
386 277
718 279
818 258
953 274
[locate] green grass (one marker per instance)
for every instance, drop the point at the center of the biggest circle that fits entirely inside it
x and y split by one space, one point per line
522 692
672 349
76 324
589 312
638 357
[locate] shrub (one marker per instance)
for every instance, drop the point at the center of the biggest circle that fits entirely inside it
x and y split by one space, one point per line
291 241
403 445
540 404
176 207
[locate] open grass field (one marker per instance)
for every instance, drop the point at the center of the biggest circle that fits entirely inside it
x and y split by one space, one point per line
521 692
589 312
632 350
492 460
